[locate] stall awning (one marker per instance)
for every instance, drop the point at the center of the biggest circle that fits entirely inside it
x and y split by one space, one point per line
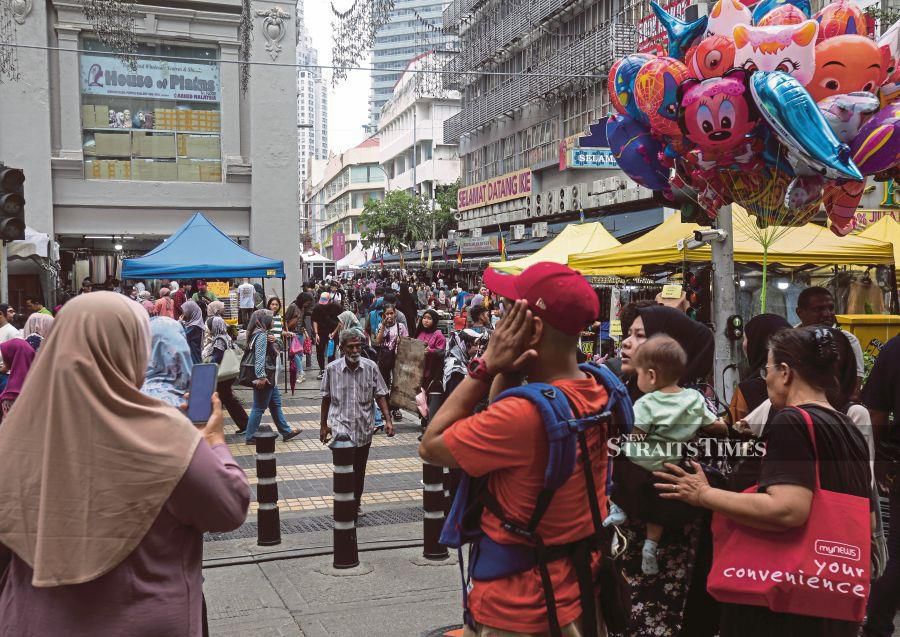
885 229
792 247
574 239
200 250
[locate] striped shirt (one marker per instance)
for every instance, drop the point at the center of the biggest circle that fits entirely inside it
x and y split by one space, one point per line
277 325
352 393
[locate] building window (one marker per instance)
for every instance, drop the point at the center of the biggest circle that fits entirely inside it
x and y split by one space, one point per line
160 123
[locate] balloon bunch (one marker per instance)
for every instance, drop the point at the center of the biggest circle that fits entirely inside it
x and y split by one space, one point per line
763 105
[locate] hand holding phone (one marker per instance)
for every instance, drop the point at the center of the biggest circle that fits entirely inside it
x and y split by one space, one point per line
203 384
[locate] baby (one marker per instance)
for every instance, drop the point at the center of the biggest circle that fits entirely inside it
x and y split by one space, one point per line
664 415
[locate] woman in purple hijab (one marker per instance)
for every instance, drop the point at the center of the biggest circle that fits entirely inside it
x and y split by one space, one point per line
17 357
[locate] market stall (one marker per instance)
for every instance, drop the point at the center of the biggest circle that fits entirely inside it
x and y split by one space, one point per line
574 239
315 267
355 259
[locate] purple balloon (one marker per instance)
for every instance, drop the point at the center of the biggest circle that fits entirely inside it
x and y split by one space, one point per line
636 152
877 145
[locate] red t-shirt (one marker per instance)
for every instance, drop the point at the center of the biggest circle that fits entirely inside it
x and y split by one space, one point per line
509 441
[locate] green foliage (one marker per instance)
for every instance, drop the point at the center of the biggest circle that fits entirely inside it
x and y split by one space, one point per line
397 220
401 219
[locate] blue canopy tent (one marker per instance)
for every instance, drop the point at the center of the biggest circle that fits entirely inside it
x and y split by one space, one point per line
199 250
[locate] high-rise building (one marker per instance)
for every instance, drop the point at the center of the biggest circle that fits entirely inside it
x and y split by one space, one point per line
312 107
531 129
414 28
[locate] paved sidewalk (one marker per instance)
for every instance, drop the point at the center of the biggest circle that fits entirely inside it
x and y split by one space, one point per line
392 593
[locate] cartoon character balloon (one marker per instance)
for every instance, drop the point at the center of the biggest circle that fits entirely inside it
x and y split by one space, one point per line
711 58
846 64
789 49
841 200
656 93
717 115
725 15
847 113
636 152
621 84
762 9
785 14
841 18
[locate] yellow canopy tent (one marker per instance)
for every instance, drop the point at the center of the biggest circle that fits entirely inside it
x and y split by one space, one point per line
809 243
574 239
885 229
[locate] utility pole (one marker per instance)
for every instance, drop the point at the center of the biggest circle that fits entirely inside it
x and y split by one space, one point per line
724 302
415 183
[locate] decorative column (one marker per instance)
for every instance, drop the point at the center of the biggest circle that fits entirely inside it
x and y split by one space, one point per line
69 93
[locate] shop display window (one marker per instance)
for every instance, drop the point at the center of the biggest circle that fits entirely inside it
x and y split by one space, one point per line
159 122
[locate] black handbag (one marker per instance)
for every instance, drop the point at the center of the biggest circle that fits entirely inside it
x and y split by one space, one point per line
247 373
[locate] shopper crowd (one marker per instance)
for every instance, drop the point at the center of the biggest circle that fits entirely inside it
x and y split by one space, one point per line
131 488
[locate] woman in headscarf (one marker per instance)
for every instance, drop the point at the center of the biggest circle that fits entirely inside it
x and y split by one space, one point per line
427 331
215 308
164 305
407 304
105 492
192 319
146 303
751 392
17 357
168 375
37 328
265 387
674 601
295 324
220 342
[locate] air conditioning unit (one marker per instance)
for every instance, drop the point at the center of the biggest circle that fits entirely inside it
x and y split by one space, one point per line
598 187
476 233
517 231
537 205
549 202
578 194
592 202
539 229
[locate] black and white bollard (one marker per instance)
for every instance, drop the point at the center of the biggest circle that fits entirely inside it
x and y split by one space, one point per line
433 504
268 518
346 554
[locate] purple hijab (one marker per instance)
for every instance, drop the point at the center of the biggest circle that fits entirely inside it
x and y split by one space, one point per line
17 356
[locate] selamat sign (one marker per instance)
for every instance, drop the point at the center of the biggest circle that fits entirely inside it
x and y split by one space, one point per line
503 188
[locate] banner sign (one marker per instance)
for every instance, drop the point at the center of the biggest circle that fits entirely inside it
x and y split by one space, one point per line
868 217
479 244
338 246
219 288
503 188
192 81
591 158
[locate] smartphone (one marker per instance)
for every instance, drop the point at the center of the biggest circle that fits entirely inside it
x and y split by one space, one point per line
203 384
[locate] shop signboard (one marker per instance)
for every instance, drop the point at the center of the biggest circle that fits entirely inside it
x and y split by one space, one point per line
181 80
868 217
479 244
219 288
503 188
591 158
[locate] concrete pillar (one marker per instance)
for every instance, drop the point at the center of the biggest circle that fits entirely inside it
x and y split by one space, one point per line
231 103
25 137
724 299
274 215
69 92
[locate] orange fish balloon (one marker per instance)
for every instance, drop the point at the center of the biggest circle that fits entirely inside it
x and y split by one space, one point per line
845 64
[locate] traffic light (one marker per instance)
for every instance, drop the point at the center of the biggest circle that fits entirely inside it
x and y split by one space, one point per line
12 204
735 328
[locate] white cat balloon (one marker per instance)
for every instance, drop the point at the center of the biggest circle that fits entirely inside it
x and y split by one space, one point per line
788 48
725 15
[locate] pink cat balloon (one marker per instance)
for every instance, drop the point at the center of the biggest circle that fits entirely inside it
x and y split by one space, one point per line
788 48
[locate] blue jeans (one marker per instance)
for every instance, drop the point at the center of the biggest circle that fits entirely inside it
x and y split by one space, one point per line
269 397
298 358
379 419
884 598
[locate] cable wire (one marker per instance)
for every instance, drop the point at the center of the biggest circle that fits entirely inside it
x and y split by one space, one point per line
177 58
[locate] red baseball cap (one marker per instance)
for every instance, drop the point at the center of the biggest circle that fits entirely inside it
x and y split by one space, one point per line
555 292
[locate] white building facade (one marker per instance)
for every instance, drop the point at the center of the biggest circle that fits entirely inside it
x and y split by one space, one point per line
337 200
118 156
409 32
413 152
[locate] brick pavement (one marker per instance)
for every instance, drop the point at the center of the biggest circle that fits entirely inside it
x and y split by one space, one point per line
393 475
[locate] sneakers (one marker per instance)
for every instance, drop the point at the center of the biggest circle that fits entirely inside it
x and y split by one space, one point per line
301 379
320 376
378 429
649 565
293 434
397 415
360 513
252 441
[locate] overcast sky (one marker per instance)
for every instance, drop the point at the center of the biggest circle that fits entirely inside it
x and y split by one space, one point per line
348 103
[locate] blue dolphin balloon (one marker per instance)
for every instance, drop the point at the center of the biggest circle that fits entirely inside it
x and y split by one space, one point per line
681 34
764 7
799 124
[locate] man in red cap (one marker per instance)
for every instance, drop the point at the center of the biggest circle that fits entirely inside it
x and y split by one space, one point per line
537 340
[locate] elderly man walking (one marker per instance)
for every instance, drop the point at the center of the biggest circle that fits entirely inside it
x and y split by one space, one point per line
350 387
